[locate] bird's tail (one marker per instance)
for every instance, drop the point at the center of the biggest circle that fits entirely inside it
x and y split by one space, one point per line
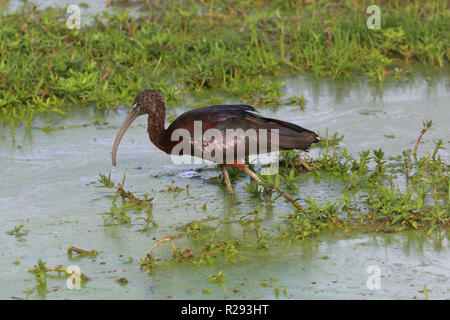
298 140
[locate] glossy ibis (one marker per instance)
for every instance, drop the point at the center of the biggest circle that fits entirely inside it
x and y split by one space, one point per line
220 117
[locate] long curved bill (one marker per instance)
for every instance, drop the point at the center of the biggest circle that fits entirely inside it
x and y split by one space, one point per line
125 125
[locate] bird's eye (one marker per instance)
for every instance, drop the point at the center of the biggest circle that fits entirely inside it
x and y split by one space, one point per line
137 105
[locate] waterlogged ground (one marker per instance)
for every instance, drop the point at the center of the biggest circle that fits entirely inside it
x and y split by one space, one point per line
49 184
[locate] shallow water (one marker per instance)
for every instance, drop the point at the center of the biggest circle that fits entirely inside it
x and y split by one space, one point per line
49 185
86 13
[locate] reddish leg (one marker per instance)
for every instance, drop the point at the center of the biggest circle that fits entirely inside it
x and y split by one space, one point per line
226 177
257 179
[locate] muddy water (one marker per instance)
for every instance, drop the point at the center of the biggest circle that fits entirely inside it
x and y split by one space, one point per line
49 184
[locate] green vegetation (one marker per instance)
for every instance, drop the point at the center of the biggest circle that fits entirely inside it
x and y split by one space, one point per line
17 231
220 280
118 214
81 252
186 48
41 271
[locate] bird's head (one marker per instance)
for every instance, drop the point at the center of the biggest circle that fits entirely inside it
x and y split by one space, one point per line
146 102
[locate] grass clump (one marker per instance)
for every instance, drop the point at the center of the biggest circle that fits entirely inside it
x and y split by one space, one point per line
404 192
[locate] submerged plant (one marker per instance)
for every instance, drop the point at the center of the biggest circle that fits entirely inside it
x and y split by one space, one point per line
118 214
17 231
219 279
41 271
81 252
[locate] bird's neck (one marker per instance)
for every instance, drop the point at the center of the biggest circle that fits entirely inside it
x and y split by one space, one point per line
156 130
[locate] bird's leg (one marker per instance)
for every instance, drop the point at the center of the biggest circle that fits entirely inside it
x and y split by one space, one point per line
267 191
226 177
304 163
257 179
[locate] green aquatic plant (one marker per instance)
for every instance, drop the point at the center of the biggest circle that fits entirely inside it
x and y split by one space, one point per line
148 263
197 229
81 252
41 271
425 292
212 250
219 279
377 201
122 281
17 231
118 214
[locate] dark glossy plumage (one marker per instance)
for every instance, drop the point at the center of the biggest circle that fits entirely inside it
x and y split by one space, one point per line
220 117
223 117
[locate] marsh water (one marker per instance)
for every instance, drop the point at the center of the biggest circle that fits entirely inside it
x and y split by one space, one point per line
49 184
